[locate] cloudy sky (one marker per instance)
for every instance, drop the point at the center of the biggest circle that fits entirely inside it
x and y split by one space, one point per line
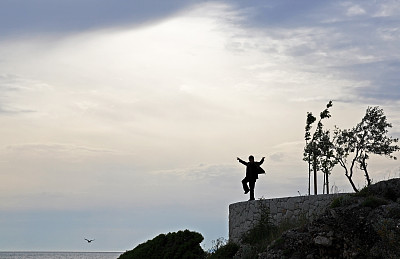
121 120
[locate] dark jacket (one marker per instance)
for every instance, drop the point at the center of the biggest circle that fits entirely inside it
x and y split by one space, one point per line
252 169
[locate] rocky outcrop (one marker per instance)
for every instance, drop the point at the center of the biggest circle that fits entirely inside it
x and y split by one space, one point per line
361 225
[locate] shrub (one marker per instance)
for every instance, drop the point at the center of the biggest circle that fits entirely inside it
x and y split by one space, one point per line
176 245
226 251
265 232
364 192
373 202
341 201
262 231
336 203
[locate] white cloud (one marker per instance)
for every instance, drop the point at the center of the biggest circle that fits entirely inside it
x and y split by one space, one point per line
355 10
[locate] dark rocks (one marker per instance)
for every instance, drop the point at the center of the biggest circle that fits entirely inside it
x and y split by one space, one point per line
323 241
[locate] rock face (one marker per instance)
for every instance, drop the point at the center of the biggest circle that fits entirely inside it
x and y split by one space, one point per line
362 225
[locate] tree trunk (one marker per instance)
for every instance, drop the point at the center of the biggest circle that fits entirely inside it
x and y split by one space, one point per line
364 168
352 183
351 171
309 175
367 176
346 173
327 183
315 174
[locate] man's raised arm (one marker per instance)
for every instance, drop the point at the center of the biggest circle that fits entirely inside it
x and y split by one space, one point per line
241 161
261 161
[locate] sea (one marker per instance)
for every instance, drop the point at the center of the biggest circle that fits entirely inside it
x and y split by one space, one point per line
59 255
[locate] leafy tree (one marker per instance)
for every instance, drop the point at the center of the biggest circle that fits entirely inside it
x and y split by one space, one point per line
327 157
366 138
176 245
318 149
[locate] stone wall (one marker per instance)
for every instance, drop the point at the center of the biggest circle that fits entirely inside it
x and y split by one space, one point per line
244 215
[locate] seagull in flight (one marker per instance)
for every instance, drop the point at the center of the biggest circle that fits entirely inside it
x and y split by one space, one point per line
89 240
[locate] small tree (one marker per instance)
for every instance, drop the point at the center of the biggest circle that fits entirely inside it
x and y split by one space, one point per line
344 145
314 149
366 138
310 148
327 158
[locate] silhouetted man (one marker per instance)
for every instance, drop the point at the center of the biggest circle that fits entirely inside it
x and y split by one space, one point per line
252 170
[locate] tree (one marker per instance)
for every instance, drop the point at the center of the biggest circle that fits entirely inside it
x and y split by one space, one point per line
327 157
314 151
366 138
344 145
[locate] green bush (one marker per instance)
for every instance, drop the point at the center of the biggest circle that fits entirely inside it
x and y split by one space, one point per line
225 252
364 192
341 201
176 245
262 231
373 202
336 203
278 242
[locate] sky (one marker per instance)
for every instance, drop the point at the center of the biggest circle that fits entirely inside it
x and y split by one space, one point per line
121 120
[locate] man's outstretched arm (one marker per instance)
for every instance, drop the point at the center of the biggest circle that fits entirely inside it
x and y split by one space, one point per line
241 161
261 161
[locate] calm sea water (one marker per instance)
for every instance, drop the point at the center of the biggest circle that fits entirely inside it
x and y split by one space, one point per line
59 255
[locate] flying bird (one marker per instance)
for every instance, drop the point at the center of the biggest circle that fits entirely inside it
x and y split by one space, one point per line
89 240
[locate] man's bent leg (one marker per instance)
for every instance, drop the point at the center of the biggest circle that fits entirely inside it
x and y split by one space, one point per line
245 187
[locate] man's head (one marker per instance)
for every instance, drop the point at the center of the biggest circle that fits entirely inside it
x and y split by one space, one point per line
251 158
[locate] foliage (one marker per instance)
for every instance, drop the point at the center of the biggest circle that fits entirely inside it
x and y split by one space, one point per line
364 192
217 244
263 230
176 245
222 249
318 151
341 201
373 202
366 138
